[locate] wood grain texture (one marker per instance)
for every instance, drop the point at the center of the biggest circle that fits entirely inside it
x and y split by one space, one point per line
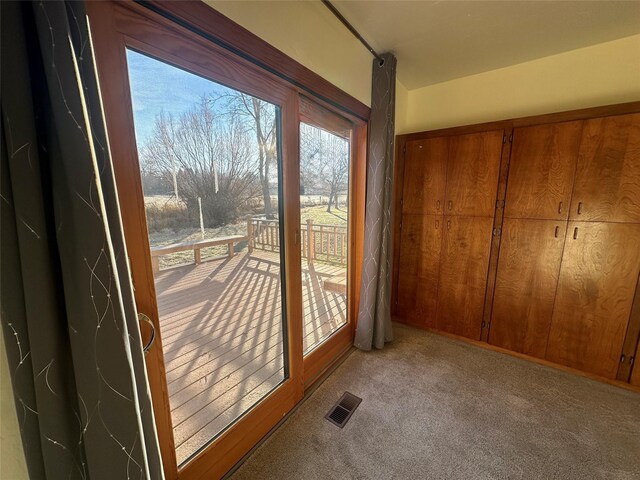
316 114
607 184
396 218
495 240
357 199
635 373
472 174
631 339
541 171
419 264
463 274
528 269
597 282
425 174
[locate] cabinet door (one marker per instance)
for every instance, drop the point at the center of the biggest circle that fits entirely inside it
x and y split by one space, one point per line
463 274
425 171
541 170
472 174
528 269
419 263
607 186
597 283
635 373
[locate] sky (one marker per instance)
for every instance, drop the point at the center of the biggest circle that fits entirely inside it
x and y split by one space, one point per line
157 86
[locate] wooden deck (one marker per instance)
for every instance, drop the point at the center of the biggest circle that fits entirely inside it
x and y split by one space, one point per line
221 324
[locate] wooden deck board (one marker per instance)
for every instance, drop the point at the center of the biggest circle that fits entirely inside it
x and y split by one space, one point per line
221 324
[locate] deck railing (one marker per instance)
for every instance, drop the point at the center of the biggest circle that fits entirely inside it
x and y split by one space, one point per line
327 243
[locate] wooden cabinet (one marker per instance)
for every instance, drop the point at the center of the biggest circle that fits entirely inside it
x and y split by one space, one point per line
465 170
541 170
598 276
607 184
419 263
425 171
635 373
532 245
528 269
472 174
463 274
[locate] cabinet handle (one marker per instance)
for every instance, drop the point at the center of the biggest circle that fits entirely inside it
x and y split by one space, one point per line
557 231
437 223
575 233
579 208
560 207
450 205
438 205
448 224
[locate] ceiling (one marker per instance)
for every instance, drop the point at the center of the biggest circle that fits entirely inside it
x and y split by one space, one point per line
439 41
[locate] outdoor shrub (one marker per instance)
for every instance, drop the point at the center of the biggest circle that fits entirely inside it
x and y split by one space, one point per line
169 215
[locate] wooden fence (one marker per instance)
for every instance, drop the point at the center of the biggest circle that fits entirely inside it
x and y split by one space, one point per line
326 243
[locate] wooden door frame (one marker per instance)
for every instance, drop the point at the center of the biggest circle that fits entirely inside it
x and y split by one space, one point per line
319 114
118 25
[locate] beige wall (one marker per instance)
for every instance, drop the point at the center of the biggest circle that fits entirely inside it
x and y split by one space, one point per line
306 31
309 33
602 74
402 104
12 463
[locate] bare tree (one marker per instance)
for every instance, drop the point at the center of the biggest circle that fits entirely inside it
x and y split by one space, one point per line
324 162
212 156
261 118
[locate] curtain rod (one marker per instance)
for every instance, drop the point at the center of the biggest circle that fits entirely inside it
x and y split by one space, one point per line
352 29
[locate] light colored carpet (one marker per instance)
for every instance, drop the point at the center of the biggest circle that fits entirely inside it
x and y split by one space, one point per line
436 408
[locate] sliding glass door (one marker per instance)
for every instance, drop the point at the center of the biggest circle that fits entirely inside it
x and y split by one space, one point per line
210 166
202 167
324 218
242 203
327 197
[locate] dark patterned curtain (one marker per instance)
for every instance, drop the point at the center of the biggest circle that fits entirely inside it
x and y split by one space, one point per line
68 316
374 316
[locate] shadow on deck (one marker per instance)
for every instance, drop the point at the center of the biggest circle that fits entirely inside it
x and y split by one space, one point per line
221 325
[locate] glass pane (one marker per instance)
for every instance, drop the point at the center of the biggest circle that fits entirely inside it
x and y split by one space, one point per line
210 171
324 215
